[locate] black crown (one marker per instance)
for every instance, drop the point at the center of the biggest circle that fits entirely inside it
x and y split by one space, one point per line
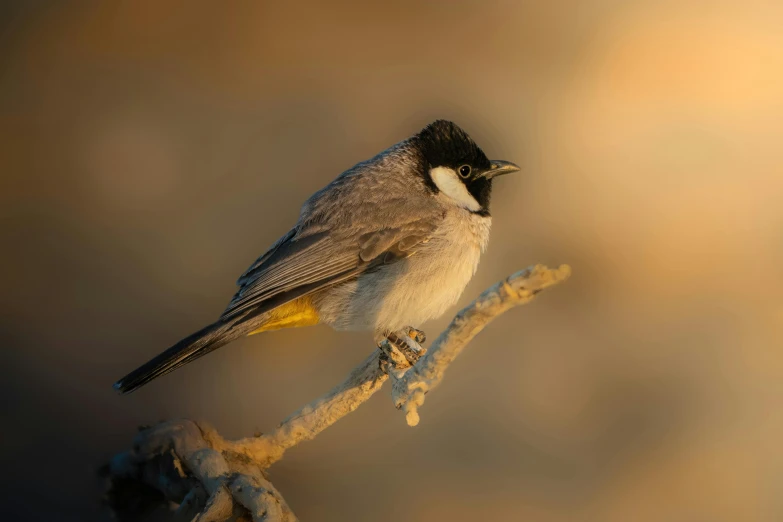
445 144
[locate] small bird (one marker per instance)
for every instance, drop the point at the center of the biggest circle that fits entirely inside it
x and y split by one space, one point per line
391 242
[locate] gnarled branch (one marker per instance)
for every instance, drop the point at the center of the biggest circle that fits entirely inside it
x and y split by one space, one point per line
213 479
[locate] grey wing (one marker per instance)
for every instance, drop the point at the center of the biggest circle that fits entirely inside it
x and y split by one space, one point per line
264 257
300 264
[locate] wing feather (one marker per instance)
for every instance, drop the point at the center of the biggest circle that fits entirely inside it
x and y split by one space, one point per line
361 221
299 264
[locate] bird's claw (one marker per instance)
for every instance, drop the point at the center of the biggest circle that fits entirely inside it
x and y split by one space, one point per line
417 335
402 348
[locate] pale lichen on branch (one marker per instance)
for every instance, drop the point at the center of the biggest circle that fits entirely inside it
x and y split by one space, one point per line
520 288
213 479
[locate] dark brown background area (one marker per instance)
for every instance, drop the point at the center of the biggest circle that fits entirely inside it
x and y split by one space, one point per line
149 151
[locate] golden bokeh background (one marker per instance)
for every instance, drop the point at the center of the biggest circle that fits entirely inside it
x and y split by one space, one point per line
149 151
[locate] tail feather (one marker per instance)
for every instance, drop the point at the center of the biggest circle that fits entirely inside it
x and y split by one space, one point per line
214 336
187 350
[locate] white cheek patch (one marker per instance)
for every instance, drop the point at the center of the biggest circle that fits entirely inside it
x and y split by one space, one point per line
450 184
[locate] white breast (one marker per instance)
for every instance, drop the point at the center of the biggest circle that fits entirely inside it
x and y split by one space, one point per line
410 292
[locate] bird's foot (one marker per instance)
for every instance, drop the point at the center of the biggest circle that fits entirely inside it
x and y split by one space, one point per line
417 335
402 348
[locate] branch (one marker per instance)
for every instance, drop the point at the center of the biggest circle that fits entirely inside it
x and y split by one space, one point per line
213 479
520 288
176 460
313 418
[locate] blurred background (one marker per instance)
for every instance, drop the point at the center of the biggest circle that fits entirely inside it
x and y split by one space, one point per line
149 151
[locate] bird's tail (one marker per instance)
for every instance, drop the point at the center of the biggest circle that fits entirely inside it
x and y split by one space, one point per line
187 350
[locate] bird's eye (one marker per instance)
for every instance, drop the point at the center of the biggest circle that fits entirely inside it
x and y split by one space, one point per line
464 171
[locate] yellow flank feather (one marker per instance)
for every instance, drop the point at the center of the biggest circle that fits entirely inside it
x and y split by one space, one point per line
299 312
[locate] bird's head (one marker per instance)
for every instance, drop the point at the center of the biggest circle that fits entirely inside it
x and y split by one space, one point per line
456 167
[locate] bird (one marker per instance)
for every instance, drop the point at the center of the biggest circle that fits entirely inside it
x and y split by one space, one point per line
390 243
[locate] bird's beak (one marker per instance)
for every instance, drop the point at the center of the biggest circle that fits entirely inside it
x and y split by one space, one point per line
499 168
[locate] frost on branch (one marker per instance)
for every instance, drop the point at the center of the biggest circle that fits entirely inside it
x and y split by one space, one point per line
188 470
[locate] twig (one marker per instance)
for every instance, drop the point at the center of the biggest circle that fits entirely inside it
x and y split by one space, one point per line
520 288
310 420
